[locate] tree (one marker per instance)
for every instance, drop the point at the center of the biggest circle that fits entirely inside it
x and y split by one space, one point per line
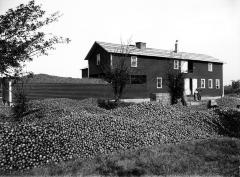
20 94
175 83
21 38
118 76
236 86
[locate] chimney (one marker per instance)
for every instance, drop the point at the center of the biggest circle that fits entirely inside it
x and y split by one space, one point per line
141 45
176 46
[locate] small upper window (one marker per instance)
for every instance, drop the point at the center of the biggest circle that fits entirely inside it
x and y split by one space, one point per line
98 59
133 61
202 83
159 82
217 83
210 83
210 67
176 64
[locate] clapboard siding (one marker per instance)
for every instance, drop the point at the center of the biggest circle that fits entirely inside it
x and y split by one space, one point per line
81 91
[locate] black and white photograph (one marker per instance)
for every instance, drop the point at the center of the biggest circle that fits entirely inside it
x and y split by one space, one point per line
145 88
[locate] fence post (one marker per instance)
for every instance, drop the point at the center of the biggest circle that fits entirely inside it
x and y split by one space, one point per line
10 92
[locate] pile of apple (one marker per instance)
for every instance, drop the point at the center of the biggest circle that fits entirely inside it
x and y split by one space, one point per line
57 130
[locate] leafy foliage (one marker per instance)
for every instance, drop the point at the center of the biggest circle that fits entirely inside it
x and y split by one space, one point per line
109 104
20 95
175 83
118 75
21 38
228 102
118 78
228 123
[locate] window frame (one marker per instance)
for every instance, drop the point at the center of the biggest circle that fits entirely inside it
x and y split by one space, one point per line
136 61
218 84
210 67
211 80
176 64
159 78
98 59
204 83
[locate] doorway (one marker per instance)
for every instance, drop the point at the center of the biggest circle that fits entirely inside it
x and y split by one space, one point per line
194 85
190 85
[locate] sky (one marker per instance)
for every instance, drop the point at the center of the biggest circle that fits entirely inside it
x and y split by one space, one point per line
209 27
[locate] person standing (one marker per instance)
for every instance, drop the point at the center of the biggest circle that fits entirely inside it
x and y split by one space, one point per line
199 95
196 95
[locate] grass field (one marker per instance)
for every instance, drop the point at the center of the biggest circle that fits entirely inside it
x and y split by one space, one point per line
209 157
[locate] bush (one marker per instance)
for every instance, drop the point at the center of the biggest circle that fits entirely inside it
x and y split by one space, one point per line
175 83
110 104
107 104
228 122
228 102
20 106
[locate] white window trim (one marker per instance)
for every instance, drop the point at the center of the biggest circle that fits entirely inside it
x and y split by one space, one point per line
211 83
159 78
210 67
98 59
176 64
135 57
217 83
204 83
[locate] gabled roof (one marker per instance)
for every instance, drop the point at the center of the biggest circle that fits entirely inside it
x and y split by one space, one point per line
133 50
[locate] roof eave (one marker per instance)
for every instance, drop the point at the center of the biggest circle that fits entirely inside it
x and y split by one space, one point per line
92 48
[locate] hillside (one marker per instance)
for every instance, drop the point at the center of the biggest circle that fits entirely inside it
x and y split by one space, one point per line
45 78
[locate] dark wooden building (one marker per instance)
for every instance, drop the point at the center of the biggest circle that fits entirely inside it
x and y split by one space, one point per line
84 72
150 66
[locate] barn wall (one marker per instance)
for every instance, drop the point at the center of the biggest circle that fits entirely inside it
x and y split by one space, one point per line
81 91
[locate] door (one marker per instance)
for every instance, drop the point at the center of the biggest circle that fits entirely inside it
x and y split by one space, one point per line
184 66
187 89
194 85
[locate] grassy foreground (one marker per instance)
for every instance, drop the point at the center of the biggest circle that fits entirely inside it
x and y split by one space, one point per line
209 157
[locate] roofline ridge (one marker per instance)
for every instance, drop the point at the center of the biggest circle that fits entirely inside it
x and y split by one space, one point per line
162 50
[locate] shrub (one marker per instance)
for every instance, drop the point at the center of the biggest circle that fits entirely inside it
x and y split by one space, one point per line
107 104
175 83
228 102
20 106
228 122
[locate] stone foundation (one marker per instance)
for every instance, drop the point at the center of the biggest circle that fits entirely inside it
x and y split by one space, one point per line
164 98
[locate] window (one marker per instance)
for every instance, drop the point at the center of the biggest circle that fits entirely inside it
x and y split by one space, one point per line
202 83
210 83
190 67
176 64
184 66
217 83
133 61
98 59
159 82
138 79
210 67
